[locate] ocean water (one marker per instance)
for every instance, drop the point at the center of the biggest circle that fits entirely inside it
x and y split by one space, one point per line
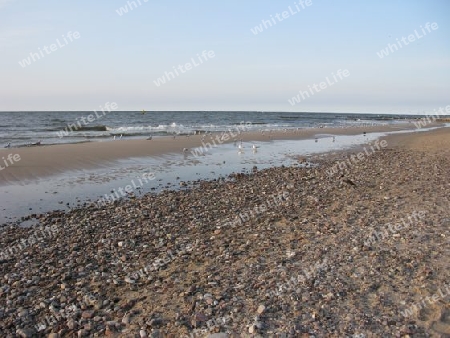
24 128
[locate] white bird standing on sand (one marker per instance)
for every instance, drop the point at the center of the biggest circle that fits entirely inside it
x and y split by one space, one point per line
8 145
254 147
241 148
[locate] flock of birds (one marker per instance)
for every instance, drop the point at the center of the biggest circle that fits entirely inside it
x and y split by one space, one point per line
240 146
38 143
185 150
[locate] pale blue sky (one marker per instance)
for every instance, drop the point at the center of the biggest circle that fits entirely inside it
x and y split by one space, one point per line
118 58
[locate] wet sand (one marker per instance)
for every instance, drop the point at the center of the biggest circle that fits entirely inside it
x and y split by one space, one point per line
42 161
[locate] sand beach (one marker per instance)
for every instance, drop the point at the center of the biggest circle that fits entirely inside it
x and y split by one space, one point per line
284 251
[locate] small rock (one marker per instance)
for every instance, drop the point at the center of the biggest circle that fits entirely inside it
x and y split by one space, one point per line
25 333
261 309
87 314
156 334
126 319
129 280
71 324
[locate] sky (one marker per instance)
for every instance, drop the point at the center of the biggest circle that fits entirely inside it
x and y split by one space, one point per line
123 57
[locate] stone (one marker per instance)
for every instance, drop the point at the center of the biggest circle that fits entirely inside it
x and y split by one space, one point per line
261 309
26 333
87 314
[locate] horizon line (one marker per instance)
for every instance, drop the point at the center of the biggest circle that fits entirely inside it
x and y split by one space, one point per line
212 111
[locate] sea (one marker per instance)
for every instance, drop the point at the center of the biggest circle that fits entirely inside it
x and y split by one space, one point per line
32 127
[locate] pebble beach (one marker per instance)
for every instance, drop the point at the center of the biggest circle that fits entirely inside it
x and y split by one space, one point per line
291 251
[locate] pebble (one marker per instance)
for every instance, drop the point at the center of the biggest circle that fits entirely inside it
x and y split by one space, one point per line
25 333
126 319
240 259
261 309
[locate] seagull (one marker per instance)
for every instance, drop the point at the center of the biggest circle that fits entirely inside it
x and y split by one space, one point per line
240 146
149 138
8 145
120 137
254 147
185 150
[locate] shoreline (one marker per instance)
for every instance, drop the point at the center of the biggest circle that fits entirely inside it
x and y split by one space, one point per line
44 187
44 161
